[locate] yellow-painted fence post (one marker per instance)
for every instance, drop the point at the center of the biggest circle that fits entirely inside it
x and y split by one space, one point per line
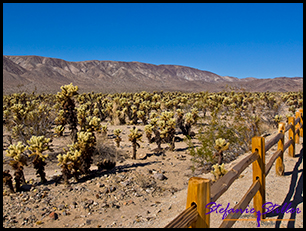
297 134
292 136
301 122
259 172
279 166
199 193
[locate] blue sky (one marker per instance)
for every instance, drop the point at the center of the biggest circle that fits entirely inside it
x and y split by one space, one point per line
240 40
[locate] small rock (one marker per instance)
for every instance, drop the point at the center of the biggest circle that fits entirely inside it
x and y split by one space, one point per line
105 190
88 222
100 185
159 176
53 216
125 183
104 205
112 188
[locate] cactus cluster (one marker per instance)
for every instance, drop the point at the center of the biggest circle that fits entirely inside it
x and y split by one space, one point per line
28 117
68 114
19 160
78 158
37 145
218 171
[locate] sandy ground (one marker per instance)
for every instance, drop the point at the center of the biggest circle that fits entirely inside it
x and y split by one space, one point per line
133 194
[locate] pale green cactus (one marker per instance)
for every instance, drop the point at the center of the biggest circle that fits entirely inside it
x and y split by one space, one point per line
79 156
221 144
218 171
135 136
149 130
68 91
58 130
104 129
37 145
19 160
94 123
16 152
117 133
189 118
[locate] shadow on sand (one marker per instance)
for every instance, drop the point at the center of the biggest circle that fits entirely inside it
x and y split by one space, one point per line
294 196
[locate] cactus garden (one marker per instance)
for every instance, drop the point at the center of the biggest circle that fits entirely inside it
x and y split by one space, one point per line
88 157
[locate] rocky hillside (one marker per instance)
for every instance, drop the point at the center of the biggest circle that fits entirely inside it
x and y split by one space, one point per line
27 73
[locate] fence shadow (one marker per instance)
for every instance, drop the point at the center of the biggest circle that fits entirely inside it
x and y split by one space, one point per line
295 192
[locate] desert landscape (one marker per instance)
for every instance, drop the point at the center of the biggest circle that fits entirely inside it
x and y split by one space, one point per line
152 115
148 191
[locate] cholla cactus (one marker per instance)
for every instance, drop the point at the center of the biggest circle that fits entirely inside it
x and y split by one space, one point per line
19 160
277 120
94 123
118 138
135 136
79 157
39 144
221 145
68 91
121 115
149 130
134 115
16 152
86 145
142 115
104 130
59 130
69 161
69 116
218 171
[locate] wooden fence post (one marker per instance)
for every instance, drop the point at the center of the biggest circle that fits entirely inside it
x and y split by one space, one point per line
291 136
199 193
279 166
297 135
301 122
259 172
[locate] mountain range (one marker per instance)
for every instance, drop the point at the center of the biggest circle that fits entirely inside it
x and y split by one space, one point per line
43 74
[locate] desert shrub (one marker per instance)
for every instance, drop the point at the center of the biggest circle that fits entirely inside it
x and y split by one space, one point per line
209 137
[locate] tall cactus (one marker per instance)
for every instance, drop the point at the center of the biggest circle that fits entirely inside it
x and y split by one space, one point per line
135 136
68 106
19 160
39 144
221 145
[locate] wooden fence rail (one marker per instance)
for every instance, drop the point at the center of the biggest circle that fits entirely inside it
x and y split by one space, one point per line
200 193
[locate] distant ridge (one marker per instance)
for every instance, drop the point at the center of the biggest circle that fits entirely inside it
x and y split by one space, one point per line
25 73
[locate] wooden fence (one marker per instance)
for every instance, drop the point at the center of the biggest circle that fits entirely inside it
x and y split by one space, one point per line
200 192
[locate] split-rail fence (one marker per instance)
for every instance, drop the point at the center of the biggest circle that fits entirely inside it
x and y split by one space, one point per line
200 192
